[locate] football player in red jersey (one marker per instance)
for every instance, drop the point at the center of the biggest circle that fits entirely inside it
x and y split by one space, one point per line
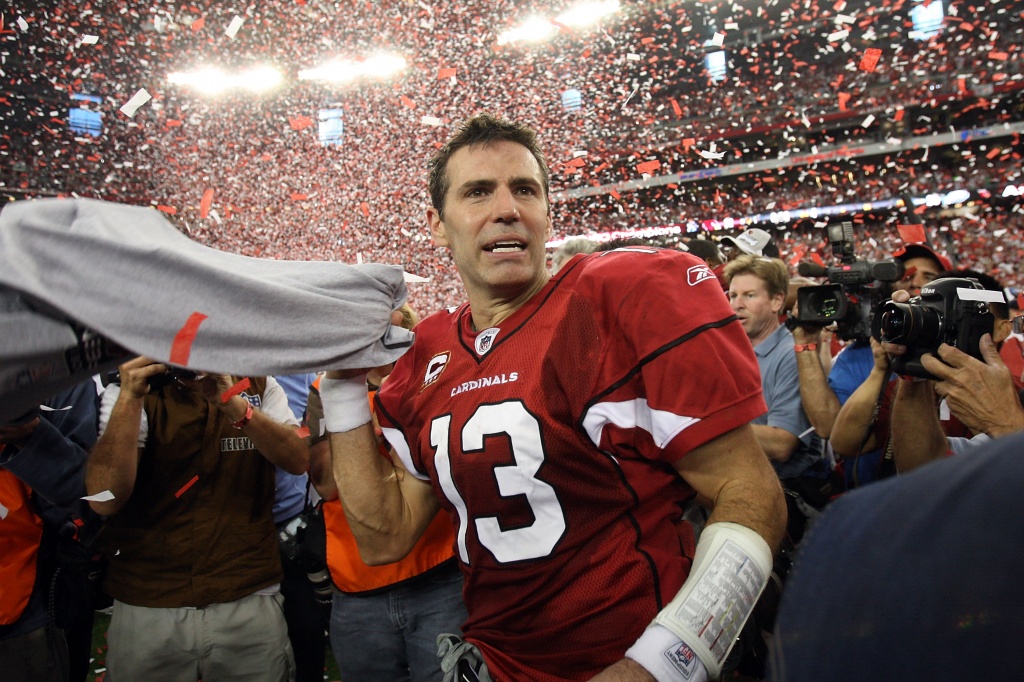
564 422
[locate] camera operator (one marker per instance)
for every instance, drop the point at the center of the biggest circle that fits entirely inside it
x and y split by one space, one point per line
860 378
980 393
188 465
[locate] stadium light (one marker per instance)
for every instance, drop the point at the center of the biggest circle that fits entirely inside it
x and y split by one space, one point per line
587 13
212 80
536 29
533 30
345 70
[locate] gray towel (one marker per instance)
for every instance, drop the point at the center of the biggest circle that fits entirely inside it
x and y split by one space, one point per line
82 280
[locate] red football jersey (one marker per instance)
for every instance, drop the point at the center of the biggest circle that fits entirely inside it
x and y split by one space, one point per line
550 441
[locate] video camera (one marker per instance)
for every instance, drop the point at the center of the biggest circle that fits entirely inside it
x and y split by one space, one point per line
945 312
158 381
856 288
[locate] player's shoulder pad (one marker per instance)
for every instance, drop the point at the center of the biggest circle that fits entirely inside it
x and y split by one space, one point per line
629 265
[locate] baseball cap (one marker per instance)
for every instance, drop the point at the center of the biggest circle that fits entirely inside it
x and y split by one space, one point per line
754 241
911 251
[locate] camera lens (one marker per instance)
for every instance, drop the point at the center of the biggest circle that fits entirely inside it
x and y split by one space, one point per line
911 325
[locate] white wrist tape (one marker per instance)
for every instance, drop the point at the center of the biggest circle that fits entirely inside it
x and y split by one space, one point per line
730 569
346 404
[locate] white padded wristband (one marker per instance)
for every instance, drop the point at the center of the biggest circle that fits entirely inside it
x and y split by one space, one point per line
345 401
730 569
666 657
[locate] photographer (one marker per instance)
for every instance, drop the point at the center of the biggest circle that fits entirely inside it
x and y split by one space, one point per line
980 393
860 378
187 466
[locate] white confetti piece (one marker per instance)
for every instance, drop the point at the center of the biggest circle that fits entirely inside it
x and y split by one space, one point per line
90 40
105 496
430 121
632 57
718 39
138 99
409 277
3 512
838 35
845 19
47 408
22 24
732 26
233 27
359 259
868 121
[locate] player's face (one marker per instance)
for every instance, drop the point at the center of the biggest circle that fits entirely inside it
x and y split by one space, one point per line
495 220
924 271
758 312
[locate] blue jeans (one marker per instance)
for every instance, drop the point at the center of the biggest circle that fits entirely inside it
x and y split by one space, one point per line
390 636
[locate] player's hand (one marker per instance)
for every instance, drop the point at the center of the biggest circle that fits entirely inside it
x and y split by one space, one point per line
135 375
210 386
803 334
384 370
980 394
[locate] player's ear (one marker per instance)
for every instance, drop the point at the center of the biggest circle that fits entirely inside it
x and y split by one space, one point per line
437 228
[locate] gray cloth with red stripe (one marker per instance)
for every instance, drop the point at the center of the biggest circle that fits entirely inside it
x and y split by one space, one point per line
86 283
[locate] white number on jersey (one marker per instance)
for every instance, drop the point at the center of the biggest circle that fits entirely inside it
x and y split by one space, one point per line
524 433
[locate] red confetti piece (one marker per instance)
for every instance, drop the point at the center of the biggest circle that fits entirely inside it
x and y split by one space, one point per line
615 194
648 166
961 85
646 41
844 97
994 153
300 122
198 24
205 204
870 59
365 208
899 115
688 142
676 108
999 56
181 347
296 196
235 390
575 163
407 102
184 488
817 259
445 73
912 234
169 210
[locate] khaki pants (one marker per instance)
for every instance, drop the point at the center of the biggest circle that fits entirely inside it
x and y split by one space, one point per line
244 640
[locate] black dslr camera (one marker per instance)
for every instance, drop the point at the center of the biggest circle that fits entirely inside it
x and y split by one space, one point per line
939 315
158 381
855 289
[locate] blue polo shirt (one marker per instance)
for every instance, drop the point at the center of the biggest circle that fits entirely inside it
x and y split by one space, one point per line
780 382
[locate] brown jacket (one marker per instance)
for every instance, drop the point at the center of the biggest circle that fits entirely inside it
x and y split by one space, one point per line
198 528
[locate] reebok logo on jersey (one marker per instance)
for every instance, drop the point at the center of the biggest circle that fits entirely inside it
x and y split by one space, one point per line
698 273
682 659
435 367
485 340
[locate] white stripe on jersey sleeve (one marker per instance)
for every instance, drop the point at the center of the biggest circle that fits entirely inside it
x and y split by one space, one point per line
401 447
630 414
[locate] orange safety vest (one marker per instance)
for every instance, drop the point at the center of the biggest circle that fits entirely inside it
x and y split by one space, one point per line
348 571
21 530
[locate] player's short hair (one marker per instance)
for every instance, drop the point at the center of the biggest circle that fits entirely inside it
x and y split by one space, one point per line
482 129
771 271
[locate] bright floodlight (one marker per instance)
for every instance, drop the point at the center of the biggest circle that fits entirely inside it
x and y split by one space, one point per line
343 70
587 13
532 30
212 80
536 29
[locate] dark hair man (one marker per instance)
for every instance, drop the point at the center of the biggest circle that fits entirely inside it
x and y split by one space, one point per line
563 422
